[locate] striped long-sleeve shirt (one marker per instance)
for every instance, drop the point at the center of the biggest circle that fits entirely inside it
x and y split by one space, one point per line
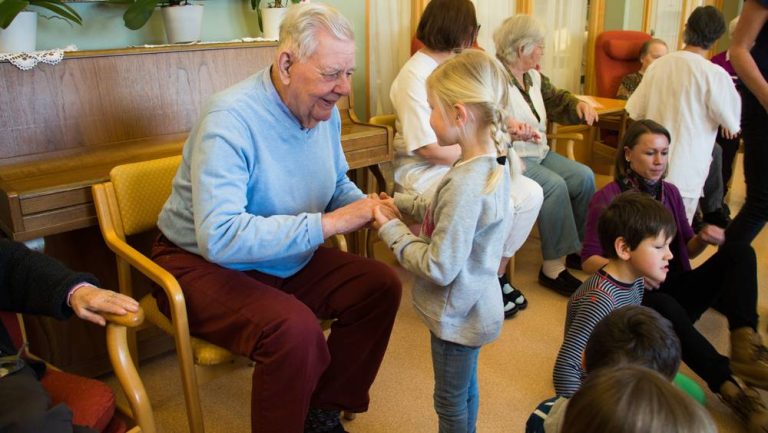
595 299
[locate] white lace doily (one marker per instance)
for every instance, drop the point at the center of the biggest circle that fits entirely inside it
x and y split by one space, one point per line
28 60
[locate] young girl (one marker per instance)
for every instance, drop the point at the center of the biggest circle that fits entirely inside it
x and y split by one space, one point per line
456 255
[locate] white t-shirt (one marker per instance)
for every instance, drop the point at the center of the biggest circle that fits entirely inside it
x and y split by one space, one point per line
691 97
409 99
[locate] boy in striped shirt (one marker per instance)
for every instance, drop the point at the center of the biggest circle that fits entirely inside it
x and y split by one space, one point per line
635 231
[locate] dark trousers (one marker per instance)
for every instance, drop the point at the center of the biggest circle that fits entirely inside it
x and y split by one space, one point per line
730 147
25 407
751 219
727 281
273 321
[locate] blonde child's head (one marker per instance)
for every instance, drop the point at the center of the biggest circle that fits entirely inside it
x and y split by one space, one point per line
633 399
479 82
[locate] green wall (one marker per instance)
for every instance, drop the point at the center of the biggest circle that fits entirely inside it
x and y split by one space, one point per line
223 20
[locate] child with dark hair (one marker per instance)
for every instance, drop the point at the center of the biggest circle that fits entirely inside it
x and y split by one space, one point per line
631 335
635 232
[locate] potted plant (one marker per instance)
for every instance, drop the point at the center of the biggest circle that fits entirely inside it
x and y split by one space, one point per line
182 19
271 16
19 25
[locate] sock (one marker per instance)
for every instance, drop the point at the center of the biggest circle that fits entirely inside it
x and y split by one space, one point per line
321 421
506 286
553 268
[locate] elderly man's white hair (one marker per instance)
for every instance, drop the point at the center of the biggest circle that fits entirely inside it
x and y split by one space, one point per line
519 31
299 29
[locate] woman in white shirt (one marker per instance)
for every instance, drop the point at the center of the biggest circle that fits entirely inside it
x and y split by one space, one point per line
447 26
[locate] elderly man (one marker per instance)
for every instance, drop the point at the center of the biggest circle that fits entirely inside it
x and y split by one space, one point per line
262 184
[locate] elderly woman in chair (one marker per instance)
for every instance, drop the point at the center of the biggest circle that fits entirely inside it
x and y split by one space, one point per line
519 45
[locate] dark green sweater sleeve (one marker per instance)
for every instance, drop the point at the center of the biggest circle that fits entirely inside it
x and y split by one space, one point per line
559 103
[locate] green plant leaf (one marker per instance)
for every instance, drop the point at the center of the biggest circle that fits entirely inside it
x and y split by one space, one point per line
61 9
138 13
8 11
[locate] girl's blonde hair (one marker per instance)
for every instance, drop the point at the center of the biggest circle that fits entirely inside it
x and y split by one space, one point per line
478 81
633 399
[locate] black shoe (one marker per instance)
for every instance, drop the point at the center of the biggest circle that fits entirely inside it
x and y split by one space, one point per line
573 261
510 309
565 283
513 299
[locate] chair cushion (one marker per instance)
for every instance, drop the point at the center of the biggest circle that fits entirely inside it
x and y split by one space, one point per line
618 49
92 402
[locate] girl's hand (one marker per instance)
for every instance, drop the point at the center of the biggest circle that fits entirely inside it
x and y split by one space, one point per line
389 202
382 215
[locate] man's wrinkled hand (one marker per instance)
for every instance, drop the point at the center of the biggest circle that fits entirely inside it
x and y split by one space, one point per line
349 218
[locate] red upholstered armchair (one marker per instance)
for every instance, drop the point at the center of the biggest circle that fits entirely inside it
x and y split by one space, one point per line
617 54
92 402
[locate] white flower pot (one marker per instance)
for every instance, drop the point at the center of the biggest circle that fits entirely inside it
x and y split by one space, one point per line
21 35
271 19
183 23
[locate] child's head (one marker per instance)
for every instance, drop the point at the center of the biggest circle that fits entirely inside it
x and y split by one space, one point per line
633 399
633 335
637 229
468 92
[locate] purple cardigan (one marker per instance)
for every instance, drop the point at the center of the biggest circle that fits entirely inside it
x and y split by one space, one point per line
672 201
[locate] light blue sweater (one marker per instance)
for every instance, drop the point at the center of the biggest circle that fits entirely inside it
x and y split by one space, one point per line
253 184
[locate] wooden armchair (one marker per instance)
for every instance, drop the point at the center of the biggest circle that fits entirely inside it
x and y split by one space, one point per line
92 402
127 205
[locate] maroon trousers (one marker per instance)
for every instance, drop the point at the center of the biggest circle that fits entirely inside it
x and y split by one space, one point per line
273 321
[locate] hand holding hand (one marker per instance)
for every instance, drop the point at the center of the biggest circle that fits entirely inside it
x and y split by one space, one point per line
712 235
586 112
348 218
88 301
521 131
382 215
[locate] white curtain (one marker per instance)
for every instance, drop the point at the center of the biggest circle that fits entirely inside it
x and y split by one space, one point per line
565 22
490 15
665 21
390 45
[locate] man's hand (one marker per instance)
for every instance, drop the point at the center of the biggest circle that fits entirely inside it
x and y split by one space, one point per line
712 235
521 131
88 301
348 218
586 112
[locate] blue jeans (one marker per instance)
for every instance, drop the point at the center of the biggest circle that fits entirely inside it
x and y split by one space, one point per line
456 392
564 182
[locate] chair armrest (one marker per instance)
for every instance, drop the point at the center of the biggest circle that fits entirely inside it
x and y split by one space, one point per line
129 320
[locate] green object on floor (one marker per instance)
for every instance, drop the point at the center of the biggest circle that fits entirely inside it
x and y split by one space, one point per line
690 387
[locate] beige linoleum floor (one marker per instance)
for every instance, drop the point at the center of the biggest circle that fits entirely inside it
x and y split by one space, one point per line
515 371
